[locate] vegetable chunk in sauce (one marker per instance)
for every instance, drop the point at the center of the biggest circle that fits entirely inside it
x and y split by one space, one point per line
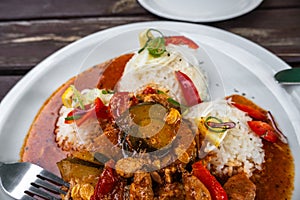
148 121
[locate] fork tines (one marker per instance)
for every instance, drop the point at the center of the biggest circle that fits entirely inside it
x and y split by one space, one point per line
47 186
53 178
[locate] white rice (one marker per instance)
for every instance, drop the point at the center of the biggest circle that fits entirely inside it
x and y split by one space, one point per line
143 70
241 150
71 136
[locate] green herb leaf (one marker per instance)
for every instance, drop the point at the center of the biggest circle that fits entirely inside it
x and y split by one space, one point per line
160 92
108 92
172 101
74 117
155 46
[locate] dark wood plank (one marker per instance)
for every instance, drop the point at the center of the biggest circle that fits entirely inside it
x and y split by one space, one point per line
42 9
277 30
6 83
24 44
46 9
280 4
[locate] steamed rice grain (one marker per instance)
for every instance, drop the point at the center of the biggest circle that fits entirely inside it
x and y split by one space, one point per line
241 150
143 70
73 137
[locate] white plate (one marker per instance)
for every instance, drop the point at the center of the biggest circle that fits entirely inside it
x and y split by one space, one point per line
245 67
199 10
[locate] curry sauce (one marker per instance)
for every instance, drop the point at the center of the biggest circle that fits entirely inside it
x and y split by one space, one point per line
40 146
275 181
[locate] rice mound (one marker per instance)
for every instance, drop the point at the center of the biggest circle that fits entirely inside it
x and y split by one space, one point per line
141 71
73 137
241 150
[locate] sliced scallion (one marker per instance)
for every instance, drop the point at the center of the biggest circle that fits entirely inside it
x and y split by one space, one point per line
174 102
107 92
215 124
74 117
155 46
160 92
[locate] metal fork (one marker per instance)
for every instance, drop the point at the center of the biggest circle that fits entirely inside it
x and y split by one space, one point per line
27 181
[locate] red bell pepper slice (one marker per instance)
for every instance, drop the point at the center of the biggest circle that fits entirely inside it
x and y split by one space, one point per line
149 90
102 111
106 183
255 114
188 88
214 187
80 116
71 117
181 40
264 130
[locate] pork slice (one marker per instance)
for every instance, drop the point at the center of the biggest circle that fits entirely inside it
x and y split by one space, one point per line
240 187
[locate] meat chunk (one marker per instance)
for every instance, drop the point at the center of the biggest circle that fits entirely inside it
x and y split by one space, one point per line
194 188
171 191
185 145
239 187
126 167
141 188
106 143
110 185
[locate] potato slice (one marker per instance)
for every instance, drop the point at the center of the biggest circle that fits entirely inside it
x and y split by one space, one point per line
76 169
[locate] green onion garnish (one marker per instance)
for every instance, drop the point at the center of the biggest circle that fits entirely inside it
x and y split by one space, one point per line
215 124
155 46
172 101
160 92
74 117
108 92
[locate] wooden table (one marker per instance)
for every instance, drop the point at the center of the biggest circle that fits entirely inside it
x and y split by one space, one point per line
31 30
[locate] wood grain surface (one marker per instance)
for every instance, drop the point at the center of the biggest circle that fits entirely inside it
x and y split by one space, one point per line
31 30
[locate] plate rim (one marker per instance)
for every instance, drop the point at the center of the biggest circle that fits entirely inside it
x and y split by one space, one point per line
88 40
156 11
8 101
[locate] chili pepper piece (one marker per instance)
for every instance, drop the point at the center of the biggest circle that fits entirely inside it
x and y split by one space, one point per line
188 88
102 111
74 115
106 183
80 116
214 187
255 114
149 90
181 40
264 130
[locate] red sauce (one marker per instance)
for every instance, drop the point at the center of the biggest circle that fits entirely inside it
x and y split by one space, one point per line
40 146
275 181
